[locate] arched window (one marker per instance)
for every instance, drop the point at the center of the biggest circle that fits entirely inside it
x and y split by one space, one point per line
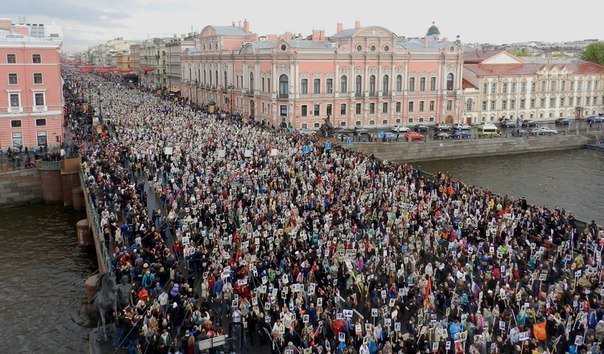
399 83
216 77
359 85
283 85
386 84
411 84
225 79
469 105
433 83
210 78
205 79
251 81
422 84
343 84
450 82
372 85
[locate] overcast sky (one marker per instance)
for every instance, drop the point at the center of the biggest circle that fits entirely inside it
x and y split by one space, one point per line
88 22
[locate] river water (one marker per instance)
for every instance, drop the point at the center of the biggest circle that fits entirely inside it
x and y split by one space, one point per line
42 274
571 179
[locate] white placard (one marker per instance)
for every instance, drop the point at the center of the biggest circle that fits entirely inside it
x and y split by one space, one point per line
523 336
248 153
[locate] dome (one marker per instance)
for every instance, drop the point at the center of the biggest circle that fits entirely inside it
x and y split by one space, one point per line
433 31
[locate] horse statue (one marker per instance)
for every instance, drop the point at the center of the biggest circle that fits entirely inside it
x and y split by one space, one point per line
105 301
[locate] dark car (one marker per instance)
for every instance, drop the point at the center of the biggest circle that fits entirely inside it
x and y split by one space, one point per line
520 132
529 124
595 119
421 128
461 134
441 135
563 121
508 124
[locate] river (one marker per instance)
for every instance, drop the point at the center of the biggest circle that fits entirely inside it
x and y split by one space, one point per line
42 274
571 179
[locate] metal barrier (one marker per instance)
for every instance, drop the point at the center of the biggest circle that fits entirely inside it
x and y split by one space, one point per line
49 165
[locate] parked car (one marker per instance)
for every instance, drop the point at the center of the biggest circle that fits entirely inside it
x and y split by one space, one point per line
461 126
563 121
595 119
414 136
441 135
399 128
543 131
507 123
461 134
441 127
390 136
487 129
530 124
421 128
305 131
360 130
520 132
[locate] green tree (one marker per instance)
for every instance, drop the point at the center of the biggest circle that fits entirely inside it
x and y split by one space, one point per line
594 53
521 53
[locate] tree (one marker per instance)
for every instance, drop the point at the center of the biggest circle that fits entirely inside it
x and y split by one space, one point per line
594 53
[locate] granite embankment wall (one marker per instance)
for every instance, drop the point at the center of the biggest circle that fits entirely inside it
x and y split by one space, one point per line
20 187
454 149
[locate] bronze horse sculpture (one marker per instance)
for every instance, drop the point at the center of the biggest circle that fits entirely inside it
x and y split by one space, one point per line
105 301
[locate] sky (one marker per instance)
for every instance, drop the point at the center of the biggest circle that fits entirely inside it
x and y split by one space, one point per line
89 22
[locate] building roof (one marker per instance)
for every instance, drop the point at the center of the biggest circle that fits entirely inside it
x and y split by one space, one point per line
532 68
476 56
309 44
230 31
419 44
13 37
350 32
583 67
465 84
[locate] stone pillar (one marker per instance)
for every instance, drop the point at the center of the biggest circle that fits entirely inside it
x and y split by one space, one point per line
91 291
78 198
85 237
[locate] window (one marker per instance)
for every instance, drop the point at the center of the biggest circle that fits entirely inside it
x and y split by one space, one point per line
283 86
372 108
562 99
329 110
421 106
485 88
523 86
433 83
493 87
12 79
533 86
504 104
329 85
15 100
512 104
358 85
17 140
343 109
317 110
411 84
316 125
542 103
504 89
552 102
40 122
553 86
572 85
304 87
342 123
358 108
410 120
343 84
522 103
385 107
226 81
317 86
449 105
398 107
399 83
543 86
15 124
372 85
42 140
563 87
422 84
410 106
450 82
469 104
493 105
304 110
587 100
532 103
513 87
263 90
385 121
283 110
357 123
11 58
484 105
251 81
386 84
39 99
371 122
359 48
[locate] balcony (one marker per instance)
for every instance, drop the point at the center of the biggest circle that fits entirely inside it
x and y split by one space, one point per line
283 96
39 109
15 109
249 93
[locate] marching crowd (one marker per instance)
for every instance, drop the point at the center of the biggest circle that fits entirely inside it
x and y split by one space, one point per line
312 248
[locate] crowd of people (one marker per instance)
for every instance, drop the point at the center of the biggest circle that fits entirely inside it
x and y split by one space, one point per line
215 220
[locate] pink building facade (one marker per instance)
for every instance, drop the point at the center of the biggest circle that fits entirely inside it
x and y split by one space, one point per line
363 77
31 96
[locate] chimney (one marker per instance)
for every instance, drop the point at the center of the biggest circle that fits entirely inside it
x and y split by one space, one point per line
316 34
340 27
426 42
21 29
287 35
239 23
322 35
5 23
357 24
233 23
246 25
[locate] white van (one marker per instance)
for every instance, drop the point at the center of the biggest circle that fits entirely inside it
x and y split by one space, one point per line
487 130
